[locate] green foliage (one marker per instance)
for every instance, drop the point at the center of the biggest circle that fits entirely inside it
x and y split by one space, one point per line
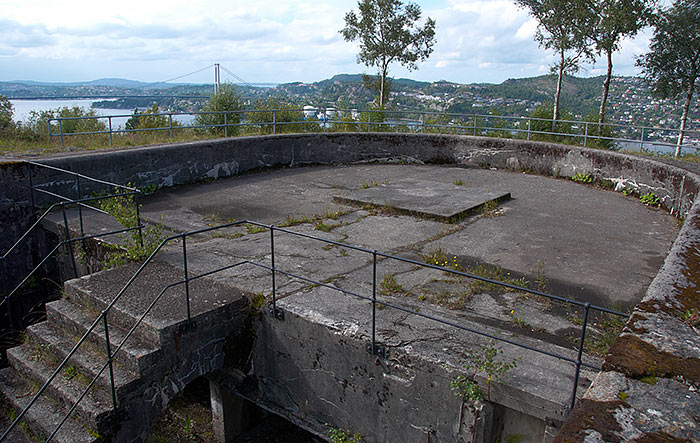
596 130
286 118
389 286
542 122
560 24
254 229
691 317
605 23
622 395
466 388
605 331
373 83
650 199
582 178
227 99
149 119
339 435
38 121
672 66
135 246
459 182
387 32
6 113
649 379
483 361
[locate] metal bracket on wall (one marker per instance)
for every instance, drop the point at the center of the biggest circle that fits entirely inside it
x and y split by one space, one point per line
277 313
377 350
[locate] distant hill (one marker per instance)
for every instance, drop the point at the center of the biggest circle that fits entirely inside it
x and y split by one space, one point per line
630 100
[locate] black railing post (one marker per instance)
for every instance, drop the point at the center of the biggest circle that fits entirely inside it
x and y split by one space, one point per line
109 361
369 121
60 129
31 186
69 243
80 207
138 218
170 123
225 124
581 342
278 314
110 130
374 301
187 279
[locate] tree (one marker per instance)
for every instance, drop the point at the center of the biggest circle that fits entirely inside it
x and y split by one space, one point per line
228 100
374 83
608 22
559 28
148 119
388 32
273 116
6 113
673 64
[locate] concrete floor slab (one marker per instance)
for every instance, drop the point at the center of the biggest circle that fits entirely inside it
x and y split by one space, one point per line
425 198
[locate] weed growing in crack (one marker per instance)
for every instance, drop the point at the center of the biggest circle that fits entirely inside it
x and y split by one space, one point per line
582 178
604 334
389 286
489 209
137 244
254 229
650 199
481 361
339 435
372 184
691 317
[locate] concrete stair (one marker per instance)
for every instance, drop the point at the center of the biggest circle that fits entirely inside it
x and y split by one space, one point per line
145 367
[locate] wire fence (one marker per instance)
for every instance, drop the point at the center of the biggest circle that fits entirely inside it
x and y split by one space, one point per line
373 345
310 119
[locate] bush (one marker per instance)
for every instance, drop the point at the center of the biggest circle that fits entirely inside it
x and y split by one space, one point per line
287 118
148 119
227 99
599 130
38 121
543 113
7 125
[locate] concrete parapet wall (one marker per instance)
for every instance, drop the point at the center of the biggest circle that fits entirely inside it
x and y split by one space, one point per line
656 346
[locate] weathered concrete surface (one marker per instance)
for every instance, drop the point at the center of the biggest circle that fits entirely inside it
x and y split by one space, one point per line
594 245
676 187
447 203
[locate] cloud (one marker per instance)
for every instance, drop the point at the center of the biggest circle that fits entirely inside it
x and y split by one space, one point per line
266 40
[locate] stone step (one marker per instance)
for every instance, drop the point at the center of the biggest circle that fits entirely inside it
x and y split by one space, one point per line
44 415
87 360
65 389
136 355
212 304
96 291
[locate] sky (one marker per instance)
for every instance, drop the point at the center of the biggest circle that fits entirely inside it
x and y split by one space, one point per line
276 41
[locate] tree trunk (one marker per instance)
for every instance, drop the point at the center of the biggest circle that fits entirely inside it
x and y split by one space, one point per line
555 116
688 98
606 89
381 87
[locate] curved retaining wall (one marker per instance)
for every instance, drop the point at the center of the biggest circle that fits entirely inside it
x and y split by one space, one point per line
655 363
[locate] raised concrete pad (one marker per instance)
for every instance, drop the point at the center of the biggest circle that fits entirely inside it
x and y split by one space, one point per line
445 202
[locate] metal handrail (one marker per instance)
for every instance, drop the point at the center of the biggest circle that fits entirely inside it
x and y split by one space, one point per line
81 203
418 123
373 347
